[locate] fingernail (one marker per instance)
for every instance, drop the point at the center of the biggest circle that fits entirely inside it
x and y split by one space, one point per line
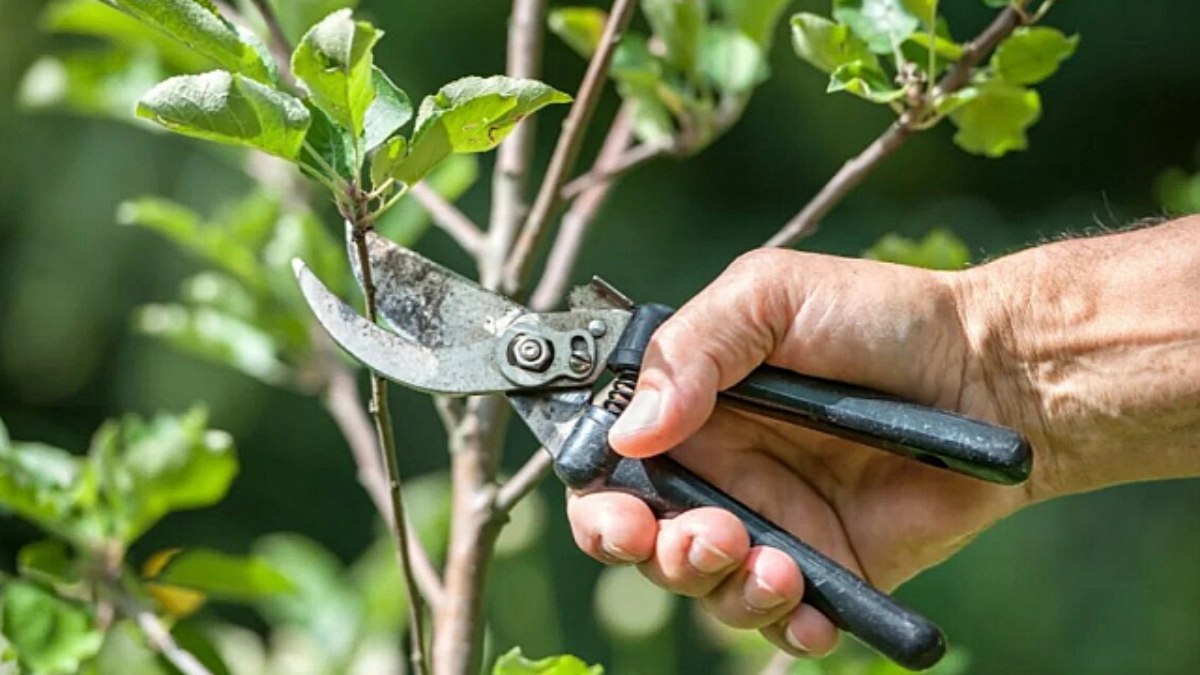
616 553
790 635
760 596
641 414
706 558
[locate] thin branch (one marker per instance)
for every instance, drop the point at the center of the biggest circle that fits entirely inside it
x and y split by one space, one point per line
281 48
523 482
387 446
510 179
630 160
341 399
566 151
159 636
857 169
448 217
583 212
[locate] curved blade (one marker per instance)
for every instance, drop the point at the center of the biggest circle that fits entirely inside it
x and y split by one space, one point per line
443 366
429 304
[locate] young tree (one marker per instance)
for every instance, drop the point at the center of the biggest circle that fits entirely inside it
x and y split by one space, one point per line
296 83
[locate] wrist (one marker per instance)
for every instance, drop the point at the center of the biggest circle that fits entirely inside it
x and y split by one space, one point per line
1091 347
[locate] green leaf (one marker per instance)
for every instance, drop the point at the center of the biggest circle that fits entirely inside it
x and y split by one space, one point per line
999 4
334 61
925 10
47 486
916 50
865 81
296 16
126 652
228 108
217 336
183 226
198 24
1178 191
149 469
732 62
324 604
1031 55
938 250
883 24
386 159
827 45
46 561
678 23
756 19
469 115
638 74
327 144
407 221
994 121
50 635
580 27
88 17
223 576
515 663
389 111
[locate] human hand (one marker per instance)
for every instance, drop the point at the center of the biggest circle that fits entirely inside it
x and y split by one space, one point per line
884 517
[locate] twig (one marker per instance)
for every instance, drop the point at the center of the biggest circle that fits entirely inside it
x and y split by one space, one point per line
447 216
458 629
630 160
387 445
566 151
342 401
854 171
510 179
159 637
524 480
278 43
583 212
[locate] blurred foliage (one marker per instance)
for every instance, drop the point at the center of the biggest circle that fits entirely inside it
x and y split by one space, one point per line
1179 191
68 282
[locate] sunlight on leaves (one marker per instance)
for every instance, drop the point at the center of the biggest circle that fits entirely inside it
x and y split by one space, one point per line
515 663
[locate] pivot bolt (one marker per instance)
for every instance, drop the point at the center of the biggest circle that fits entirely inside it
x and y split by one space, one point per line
597 328
530 353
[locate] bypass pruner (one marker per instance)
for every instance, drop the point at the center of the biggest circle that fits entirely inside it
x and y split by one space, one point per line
450 336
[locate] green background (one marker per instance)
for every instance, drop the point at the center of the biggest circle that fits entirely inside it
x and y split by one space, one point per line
1107 582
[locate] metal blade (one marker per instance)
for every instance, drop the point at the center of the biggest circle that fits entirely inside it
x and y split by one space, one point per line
428 303
437 368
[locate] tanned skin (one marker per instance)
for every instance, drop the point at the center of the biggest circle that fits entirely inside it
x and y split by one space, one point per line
1090 347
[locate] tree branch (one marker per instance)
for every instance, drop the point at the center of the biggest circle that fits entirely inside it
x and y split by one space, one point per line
281 49
858 168
510 179
630 160
448 217
341 399
524 480
583 212
566 151
387 442
163 642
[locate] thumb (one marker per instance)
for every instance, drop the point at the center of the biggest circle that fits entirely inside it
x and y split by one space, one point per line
711 343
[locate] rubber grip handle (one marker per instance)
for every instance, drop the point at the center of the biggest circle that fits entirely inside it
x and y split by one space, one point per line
851 603
938 437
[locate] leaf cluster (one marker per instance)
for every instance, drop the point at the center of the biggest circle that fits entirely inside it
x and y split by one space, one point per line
691 77
894 52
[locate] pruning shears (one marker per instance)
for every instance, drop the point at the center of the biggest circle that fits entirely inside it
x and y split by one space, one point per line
450 336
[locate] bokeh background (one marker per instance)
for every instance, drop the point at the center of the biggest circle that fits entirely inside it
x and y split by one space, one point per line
1099 583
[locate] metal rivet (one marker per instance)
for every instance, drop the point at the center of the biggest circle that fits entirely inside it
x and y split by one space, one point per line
597 328
530 352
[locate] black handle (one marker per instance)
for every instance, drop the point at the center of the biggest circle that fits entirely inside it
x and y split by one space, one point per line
585 462
850 602
929 435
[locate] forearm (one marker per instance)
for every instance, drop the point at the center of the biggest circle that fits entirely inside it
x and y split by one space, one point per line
1092 347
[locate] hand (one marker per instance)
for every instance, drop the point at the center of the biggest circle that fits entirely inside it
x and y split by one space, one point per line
884 517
